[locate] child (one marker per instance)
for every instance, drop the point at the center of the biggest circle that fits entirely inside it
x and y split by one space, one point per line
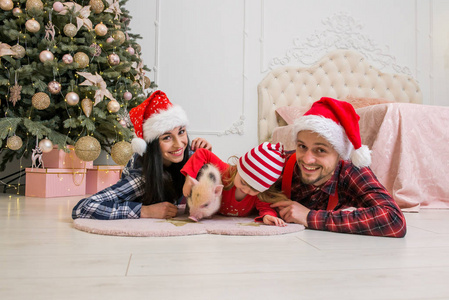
247 185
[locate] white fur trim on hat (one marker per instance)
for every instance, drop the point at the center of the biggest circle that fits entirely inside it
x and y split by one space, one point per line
361 157
164 121
328 129
138 145
336 136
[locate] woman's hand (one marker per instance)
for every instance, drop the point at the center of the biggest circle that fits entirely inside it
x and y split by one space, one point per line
163 210
270 220
292 212
200 143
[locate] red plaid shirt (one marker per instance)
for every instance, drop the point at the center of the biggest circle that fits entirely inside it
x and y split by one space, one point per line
374 210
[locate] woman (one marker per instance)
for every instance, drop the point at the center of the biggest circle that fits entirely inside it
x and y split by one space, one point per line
151 184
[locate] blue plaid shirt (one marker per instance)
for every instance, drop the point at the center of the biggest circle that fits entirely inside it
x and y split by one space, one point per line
122 200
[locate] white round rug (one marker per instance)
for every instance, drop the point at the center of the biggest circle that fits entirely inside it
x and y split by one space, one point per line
182 225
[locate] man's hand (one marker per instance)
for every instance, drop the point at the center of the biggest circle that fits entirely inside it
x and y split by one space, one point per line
163 210
292 212
200 143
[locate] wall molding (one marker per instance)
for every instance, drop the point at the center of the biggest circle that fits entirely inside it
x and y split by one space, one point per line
262 37
237 127
432 53
341 31
157 40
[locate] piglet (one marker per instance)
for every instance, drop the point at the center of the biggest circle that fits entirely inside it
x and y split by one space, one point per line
205 199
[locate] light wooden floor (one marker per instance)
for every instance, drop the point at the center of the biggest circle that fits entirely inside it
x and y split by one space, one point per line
43 257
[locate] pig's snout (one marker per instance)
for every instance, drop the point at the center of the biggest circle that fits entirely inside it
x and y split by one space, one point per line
193 218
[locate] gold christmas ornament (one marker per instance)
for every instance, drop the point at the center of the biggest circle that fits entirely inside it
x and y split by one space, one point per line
6 4
32 25
123 123
45 145
14 142
113 106
20 51
54 87
101 29
87 106
40 101
127 96
113 59
121 153
58 6
96 48
87 148
119 36
96 5
136 85
67 59
72 98
70 30
81 59
34 4
147 82
46 56
131 50
17 11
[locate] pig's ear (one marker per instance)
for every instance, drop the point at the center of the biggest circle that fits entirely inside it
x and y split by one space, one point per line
193 181
218 189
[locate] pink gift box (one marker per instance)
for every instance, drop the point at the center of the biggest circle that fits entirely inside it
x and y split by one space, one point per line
47 183
59 159
101 177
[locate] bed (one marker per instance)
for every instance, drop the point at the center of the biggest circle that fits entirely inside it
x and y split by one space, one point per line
407 138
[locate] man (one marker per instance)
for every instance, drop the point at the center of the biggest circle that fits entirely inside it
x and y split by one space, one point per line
329 180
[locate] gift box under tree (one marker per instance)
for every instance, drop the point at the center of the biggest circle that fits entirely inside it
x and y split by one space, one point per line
63 174
47 182
101 177
64 160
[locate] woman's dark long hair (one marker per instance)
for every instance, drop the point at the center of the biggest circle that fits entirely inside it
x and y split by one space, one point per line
162 184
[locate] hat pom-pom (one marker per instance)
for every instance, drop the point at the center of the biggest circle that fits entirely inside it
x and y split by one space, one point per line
361 157
139 145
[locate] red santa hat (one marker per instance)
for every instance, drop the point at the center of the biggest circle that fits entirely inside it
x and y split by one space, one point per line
338 123
262 166
152 118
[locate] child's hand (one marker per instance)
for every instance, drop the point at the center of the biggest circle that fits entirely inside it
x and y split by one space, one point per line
187 188
188 184
270 220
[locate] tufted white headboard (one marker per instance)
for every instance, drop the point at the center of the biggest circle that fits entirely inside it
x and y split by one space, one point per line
339 74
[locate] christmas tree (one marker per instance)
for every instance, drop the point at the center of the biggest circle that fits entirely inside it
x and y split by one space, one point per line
69 74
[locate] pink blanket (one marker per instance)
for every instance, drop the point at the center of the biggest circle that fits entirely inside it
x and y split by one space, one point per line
410 151
410 154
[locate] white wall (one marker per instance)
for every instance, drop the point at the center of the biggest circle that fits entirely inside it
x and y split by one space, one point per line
209 55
